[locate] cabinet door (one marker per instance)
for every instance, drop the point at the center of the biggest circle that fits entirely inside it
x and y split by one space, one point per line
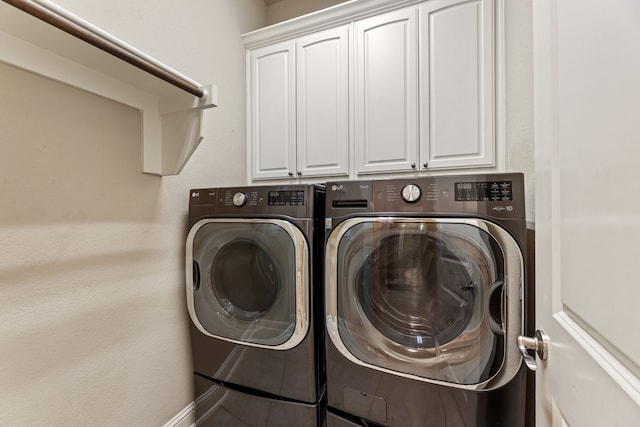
386 92
457 84
272 111
322 100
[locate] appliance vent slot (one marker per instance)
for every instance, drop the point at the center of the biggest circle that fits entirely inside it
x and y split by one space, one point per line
350 203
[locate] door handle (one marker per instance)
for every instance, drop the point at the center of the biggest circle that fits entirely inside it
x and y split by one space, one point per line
196 276
539 343
497 299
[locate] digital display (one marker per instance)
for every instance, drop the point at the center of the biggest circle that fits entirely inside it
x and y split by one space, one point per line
286 198
491 191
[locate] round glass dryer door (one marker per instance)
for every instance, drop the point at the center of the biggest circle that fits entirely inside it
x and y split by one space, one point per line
421 297
247 281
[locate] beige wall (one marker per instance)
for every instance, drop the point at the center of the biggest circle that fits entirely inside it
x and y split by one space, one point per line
287 9
519 95
93 322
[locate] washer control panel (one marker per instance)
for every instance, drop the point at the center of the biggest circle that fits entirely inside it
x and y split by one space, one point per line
496 194
484 191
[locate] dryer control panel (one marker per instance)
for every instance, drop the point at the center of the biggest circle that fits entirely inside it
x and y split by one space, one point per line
286 198
295 201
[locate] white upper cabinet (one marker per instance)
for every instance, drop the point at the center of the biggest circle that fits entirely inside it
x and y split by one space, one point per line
456 84
435 59
298 107
386 92
272 103
322 107
377 87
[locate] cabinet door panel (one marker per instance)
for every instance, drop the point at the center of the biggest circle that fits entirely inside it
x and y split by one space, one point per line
273 111
323 133
457 84
386 92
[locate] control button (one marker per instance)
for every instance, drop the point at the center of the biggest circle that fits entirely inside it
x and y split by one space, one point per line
239 199
411 193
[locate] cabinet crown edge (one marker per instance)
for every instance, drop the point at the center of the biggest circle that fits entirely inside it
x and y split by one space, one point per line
330 17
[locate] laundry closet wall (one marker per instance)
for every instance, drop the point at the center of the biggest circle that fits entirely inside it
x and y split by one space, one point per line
93 323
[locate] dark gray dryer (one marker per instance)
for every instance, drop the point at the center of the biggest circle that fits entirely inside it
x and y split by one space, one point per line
424 286
253 269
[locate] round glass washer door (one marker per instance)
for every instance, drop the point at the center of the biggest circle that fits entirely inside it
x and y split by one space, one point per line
247 281
424 298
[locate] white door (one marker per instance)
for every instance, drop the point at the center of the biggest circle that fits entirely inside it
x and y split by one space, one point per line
587 130
322 103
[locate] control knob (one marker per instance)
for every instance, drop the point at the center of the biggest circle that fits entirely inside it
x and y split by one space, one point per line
239 199
411 193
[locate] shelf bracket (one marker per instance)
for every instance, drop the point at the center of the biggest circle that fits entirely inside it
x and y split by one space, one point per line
41 37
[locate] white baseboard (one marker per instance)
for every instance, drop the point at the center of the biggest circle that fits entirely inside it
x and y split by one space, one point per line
184 418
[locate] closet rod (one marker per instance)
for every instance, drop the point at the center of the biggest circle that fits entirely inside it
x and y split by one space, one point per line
60 18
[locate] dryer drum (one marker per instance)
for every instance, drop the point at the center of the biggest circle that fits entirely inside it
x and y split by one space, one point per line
244 279
247 290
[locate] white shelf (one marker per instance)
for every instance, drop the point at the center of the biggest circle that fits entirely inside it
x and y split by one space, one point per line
171 117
